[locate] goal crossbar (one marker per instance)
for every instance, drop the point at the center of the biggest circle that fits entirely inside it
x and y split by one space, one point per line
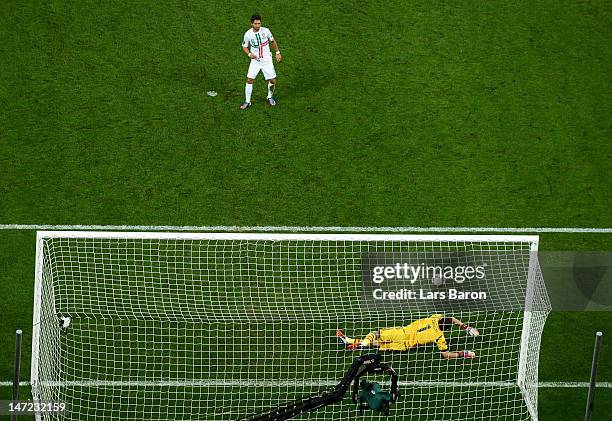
532 239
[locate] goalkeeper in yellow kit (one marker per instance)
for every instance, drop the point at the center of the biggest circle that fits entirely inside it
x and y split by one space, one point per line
420 332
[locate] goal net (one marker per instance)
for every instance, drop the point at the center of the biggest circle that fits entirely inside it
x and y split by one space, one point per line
220 326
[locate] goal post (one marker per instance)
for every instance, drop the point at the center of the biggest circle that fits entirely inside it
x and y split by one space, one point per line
220 326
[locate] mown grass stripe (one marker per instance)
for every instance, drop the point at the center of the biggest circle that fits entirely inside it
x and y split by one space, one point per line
237 228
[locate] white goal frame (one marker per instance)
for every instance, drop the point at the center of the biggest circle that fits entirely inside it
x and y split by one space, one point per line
533 240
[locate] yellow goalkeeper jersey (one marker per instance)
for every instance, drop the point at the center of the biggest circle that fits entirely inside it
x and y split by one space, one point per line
420 332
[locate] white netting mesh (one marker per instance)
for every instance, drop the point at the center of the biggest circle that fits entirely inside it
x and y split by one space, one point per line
217 329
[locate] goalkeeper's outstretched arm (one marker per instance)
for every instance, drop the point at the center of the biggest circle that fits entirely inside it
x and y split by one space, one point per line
468 329
449 355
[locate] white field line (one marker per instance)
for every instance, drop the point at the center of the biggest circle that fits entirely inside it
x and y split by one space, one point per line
296 383
235 228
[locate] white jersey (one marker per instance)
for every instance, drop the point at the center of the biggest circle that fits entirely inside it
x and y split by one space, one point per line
259 42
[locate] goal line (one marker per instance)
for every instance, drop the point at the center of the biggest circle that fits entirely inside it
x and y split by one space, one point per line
295 383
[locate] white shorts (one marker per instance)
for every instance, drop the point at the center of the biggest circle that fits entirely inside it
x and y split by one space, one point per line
266 66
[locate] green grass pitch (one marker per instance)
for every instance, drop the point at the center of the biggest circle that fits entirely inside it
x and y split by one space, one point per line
394 114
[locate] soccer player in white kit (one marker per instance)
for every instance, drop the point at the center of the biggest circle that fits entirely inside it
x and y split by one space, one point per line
256 45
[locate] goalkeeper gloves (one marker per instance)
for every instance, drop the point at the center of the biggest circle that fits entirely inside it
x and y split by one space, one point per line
466 354
470 330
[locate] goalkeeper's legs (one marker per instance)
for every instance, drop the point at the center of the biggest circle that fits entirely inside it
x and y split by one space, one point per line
371 340
345 339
